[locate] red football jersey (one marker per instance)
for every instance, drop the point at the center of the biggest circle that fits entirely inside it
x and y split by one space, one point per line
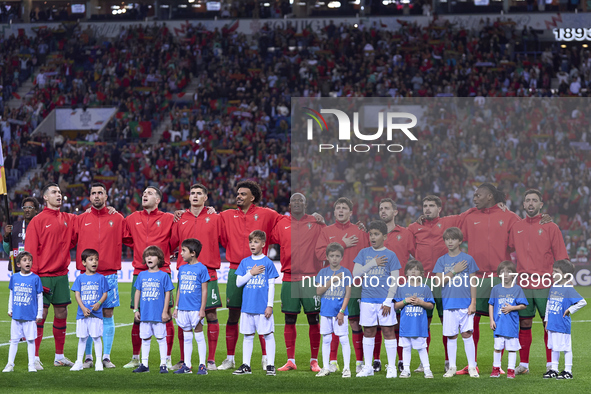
335 233
297 239
237 227
487 233
147 229
50 236
104 233
207 229
401 241
537 247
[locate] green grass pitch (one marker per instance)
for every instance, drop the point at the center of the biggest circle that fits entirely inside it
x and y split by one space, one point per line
61 380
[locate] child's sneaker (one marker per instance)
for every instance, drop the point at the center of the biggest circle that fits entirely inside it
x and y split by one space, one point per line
391 372
141 368
183 369
63 362
163 368
78 366
451 372
176 366
521 370
9 368
510 374
323 372
564 375
551 374
38 365
346 372
134 363
243 370
473 372
88 363
405 373
420 368
428 374
334 366
98 367
32 368
496 372
227 364
377 365
271 370
202 370
211 366
367 370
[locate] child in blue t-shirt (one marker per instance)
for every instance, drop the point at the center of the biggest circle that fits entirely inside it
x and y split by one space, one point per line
563 301
191 297
506 300
414 298
455 271
378 268
90 291
25 307
334 288
152 297
257 274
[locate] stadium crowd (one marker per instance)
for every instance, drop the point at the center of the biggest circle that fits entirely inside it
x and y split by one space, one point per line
238 123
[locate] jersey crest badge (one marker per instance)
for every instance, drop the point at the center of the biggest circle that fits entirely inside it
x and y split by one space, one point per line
207 219
309 226
501 222
540 232
256 217
65 224
398 237
158 223
111 223
439 225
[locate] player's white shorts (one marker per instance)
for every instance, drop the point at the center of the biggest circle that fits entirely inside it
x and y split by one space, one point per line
509 344
112 300
371 315
559 342
413 342
454 318
187 320
254 322
89 326
152 328
330 325
23 329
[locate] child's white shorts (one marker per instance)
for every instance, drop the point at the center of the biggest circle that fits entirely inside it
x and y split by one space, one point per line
330 325
90 326
414 342
454 318
256 322
23 329
371 315
559 342
187 320
152 328
509 344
